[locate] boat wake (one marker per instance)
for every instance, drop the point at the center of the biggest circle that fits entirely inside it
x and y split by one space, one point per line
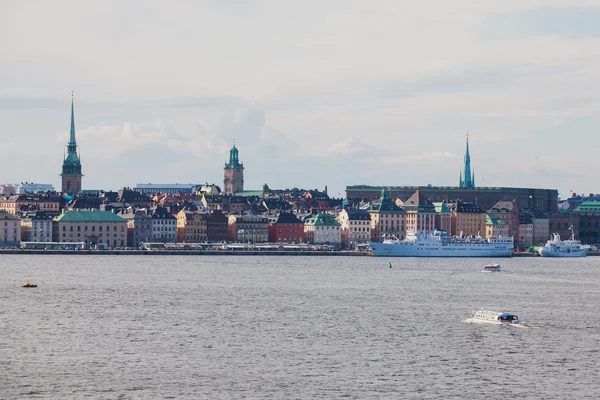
480 322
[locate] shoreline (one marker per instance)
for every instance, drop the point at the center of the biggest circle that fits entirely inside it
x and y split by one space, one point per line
338 253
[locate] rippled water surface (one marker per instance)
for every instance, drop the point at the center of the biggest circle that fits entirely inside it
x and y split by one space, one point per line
296 327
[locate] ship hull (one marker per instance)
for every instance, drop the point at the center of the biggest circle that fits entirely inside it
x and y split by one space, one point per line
544 252
403 249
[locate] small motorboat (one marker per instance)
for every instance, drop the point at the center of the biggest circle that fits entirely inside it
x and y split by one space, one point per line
28 284
495 317
492 268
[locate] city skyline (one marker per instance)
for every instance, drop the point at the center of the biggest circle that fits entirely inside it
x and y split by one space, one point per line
340 97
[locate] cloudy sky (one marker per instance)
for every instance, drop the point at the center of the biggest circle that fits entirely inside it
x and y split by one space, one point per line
314 92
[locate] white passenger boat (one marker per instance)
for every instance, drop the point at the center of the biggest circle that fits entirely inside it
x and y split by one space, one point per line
440 244
495 317
492 268
564 248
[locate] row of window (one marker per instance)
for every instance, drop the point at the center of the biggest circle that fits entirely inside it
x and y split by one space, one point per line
64 228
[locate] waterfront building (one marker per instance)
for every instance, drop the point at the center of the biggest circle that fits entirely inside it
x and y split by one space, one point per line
10 229
561 222
356 227
467 178
387 218
217 226
248 228
164 225
525 231
287 228
467 219
540 200
420 213
166 188
139 228
323 229
541 230
91 227
508 211
589 221
36 226
32 188
192 226
495 227
233 180
48 203
443 217
71 169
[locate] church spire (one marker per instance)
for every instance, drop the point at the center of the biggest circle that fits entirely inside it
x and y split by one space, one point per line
72 145
467 177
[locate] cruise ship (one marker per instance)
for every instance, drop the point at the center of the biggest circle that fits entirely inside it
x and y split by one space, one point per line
556 247
440 244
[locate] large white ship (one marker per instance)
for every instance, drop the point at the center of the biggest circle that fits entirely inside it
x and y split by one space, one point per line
440 244
556 247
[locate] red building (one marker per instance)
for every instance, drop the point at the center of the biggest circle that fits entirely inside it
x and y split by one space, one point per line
287 229
217 225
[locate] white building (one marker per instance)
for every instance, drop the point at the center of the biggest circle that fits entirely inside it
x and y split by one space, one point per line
164 226
30 187
323 229
36 227
166 188
356 227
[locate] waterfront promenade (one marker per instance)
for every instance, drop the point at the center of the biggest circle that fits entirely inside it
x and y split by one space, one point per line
214 252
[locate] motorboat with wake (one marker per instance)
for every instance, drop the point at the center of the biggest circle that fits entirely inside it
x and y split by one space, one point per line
495 317
492 268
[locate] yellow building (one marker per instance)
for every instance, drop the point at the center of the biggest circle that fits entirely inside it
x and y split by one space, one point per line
495 227
91 227
192 226
387 219
467 219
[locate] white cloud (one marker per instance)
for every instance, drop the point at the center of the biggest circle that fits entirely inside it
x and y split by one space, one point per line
306 89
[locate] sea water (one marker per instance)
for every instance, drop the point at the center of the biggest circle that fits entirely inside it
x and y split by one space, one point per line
296 327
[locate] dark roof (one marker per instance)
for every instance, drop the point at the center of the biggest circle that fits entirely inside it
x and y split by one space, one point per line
464 207
287 218
419 202
161 212
7 216
355 214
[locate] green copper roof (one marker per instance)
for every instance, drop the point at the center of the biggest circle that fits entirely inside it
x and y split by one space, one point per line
491 219
323 219
249 193
589 206
441 207
89 216
234 161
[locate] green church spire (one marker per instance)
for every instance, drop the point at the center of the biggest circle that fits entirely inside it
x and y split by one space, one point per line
468 178
72 163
